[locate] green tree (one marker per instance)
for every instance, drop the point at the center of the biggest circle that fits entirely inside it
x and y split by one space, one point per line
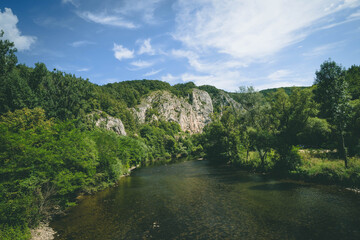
8 58
255 122
290 115
352 77
332 95
316 133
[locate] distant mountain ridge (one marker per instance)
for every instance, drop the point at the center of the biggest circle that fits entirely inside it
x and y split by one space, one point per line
129 103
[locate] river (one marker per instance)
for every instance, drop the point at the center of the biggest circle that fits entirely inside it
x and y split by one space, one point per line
194 200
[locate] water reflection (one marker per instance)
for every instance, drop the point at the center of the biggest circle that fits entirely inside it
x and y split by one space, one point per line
193 200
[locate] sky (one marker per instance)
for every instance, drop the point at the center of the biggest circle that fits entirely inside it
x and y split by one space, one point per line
224 43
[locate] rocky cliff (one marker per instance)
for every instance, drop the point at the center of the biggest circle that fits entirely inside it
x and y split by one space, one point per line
192 113
102 120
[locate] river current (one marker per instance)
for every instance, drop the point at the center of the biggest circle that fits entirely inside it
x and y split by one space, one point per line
195 200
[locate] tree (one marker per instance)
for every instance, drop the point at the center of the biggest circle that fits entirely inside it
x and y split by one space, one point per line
8 59
255 125
352 77
332 95
290 115
222 139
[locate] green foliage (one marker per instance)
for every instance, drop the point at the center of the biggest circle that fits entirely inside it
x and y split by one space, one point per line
288 160
288 90
213 91
65 97
39 157
15 93
352 130
183 90
330 81
116 154
8 59
352 77
44 164
131 92
316 133
14 232
222 139
216 147
316 167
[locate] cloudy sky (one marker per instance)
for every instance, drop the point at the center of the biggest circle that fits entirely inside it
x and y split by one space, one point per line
225 43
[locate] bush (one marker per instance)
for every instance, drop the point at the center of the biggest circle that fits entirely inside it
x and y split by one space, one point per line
288 160
14 232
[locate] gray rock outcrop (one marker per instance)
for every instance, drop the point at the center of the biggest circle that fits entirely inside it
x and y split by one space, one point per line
109 123
192 114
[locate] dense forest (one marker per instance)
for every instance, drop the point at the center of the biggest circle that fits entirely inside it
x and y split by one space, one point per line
50 152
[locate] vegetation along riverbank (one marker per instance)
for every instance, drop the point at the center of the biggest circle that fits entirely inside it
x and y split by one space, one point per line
61 135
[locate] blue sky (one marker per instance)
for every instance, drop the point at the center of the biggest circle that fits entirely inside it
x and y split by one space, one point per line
227 43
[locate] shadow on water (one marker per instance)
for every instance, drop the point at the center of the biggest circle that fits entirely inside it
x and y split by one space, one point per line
229 175
280 186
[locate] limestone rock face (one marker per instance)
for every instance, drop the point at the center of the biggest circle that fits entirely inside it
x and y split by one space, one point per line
111 123
223 100
192 114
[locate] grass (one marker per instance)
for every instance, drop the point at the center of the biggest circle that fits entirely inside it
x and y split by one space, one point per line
254 162
323 166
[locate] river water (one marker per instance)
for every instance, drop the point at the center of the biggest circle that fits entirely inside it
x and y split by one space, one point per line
194 200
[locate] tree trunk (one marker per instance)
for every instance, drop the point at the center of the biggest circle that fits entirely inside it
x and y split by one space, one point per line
262 157
343 150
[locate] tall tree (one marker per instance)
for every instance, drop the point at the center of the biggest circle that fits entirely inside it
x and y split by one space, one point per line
352 77
332 94
289 115
8 59
256 126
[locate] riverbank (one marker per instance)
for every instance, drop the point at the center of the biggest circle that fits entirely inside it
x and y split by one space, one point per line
325 168
317 166
44 232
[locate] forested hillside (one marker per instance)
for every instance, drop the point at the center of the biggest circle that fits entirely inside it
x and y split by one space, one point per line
51 150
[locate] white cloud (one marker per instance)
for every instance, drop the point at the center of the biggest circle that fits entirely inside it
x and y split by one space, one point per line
227 80
146 47
248 29
279 75
146 8
355 15
321 50
170 78
152 72
109 80
105 19
142 64
81 43
73 2
83 70
206 66
8 23
224 80
122 53
221 38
